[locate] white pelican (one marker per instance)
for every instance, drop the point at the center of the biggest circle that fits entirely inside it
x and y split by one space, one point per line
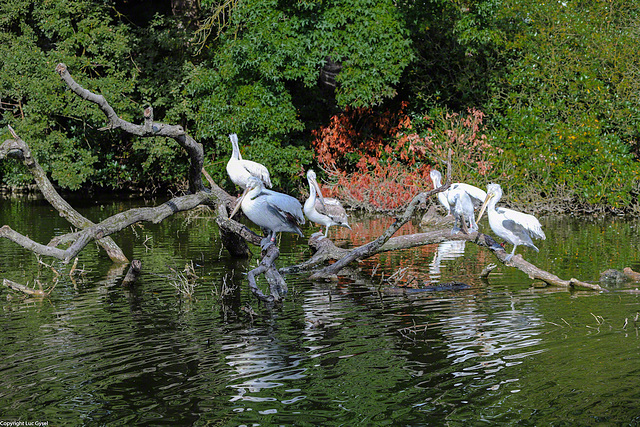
462 210
240 170
272 211
323 211
515 227
476 194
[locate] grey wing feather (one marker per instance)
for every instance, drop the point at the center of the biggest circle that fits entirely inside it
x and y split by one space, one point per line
332 208
520 231
528 222
287 205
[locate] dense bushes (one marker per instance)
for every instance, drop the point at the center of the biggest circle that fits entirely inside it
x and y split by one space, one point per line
566 115
541 96
382 160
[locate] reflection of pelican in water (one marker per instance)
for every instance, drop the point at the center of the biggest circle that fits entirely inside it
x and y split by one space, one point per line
260 362
482 341
446 251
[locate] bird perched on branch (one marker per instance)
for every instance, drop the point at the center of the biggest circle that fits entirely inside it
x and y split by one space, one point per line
514 227
239 170
476 194
323 211
272 211
462 209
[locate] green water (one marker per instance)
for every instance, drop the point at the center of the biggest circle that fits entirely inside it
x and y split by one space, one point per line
349 353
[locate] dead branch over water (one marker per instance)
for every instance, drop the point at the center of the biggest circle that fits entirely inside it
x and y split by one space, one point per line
327 262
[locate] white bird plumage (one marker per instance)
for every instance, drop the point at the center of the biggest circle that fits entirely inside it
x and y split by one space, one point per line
514 227
462 210
476 194
239 170
323 211
272 211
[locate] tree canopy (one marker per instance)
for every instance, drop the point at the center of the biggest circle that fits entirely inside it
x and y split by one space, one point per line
555 84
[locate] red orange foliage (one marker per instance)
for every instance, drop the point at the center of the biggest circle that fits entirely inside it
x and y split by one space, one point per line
372 159
381 160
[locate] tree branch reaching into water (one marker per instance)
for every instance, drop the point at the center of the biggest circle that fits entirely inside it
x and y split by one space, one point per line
234 235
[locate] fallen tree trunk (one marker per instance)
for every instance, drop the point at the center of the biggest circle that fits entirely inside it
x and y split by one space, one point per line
105 228
18 149
326 251
235 236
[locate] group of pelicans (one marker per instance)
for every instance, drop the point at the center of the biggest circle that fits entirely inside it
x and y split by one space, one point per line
276 212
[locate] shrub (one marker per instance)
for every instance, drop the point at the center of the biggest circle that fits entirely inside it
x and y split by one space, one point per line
381 160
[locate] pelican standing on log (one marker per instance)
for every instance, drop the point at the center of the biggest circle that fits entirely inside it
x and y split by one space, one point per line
239 170
514 227
323 211
476 194
462 210
272 211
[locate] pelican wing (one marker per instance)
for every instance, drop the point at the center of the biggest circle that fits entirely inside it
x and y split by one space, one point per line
333 209
520 232
528 222
258 170
476 194
288 207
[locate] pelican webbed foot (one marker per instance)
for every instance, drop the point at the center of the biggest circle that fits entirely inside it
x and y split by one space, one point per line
266 242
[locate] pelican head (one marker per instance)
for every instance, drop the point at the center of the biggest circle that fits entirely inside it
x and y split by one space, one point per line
436 178
494 192
311 178
252 183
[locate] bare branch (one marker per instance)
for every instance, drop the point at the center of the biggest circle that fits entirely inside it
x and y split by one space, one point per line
109 226
19 149
277 285
150 128
373 247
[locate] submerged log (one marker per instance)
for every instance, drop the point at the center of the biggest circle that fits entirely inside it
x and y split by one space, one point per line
133 273
25 289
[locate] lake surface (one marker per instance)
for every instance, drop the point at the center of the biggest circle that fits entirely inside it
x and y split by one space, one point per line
358 352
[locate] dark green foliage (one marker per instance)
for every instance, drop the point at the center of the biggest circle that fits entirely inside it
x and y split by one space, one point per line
556 82
568 113
60 129
261 78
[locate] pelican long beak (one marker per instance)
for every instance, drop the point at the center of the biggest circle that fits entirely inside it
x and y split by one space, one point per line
244 194
315 184
484 206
